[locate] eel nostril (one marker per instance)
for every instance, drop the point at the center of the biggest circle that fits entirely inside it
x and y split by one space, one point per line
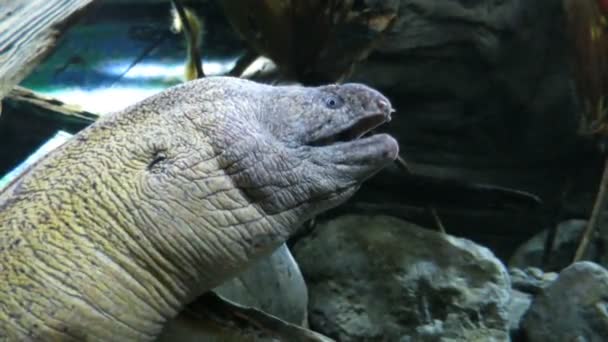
383 105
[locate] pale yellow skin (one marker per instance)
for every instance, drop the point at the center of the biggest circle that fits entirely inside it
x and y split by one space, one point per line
73 240
98 244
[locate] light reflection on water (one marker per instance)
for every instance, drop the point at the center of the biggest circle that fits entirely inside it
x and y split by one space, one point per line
103 100
156 70
132 85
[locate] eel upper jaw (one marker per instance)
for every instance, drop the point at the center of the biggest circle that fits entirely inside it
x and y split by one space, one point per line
352 145
354 130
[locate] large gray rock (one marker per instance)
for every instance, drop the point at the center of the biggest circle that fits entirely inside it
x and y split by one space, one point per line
525 284
531 280
567 237
573 308
380 278
518 306
274 284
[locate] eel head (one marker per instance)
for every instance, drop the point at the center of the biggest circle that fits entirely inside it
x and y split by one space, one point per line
303 150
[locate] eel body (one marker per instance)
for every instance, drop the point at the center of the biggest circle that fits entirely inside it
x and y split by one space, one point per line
112 234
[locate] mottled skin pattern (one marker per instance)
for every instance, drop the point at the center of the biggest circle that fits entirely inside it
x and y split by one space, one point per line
113 233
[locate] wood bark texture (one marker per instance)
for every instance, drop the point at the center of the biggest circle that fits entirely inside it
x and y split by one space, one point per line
28 31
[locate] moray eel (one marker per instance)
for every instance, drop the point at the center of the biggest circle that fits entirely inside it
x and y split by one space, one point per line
112 234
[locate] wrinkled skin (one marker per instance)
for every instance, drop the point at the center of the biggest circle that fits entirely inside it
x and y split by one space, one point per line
112 234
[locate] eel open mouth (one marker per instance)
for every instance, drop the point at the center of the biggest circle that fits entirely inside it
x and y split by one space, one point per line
358 129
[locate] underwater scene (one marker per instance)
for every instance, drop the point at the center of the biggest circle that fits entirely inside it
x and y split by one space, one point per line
304 170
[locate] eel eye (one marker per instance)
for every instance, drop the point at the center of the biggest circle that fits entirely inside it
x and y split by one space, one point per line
333 102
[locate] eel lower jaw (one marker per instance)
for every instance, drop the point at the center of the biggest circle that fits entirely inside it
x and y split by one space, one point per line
355 145
374 151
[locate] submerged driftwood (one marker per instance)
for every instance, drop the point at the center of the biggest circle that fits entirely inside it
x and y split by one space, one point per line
28 31
29 119
311 41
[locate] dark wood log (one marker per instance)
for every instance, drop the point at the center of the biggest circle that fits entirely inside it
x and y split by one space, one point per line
29 119
312 41
28 31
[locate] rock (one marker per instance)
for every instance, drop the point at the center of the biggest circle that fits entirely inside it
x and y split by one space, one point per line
573 308
518 306
525 284
378 277
274 284
531 280
566 240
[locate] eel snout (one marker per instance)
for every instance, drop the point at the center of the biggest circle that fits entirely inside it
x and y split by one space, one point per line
354 142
